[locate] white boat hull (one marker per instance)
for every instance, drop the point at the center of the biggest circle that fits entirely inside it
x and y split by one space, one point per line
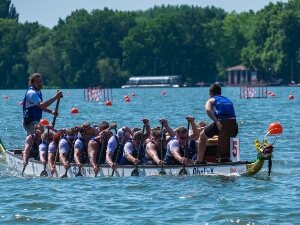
35 168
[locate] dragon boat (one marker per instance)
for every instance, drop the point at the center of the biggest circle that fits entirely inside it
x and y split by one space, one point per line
222 156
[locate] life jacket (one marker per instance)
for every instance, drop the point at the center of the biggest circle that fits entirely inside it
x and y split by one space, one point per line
70 154
119 150
84 157
223 108
33 113
135 153
191 152
34 150
169 158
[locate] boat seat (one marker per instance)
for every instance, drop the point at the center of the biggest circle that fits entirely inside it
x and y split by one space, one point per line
211 149
229 129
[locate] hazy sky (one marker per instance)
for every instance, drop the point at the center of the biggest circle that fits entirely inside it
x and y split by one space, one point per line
47 12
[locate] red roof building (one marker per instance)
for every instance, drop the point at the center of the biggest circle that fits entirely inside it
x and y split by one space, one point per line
241 75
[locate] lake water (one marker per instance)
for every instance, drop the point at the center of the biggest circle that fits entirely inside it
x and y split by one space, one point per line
159 200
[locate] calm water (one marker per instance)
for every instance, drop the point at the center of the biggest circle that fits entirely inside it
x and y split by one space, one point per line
159 200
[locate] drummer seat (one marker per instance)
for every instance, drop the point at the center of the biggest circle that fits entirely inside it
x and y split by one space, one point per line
218 147
229 129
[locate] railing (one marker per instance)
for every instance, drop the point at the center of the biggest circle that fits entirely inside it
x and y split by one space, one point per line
98 94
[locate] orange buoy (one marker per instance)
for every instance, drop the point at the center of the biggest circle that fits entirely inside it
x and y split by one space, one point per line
108 103
44 122
164 92
127 99
5 96
275 128
74 111
133 95
20 103
291 97
273 95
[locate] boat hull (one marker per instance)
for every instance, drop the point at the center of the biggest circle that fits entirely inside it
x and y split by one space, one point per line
35 168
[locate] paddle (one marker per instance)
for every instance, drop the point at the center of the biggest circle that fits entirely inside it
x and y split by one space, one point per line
101 152
135 172
69 159
79 174
24 167
118 152
183 171
57 152
162 171
44 172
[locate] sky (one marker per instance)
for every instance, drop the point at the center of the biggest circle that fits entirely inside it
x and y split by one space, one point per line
48 12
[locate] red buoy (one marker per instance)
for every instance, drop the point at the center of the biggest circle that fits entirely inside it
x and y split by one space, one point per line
68 92
108 103
44 122
127 99
5 96
125 96
164 92
20 103
133 95
74 111
273 95
269 92
291 97
275 128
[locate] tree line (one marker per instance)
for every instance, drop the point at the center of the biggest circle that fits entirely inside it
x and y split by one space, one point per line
105 47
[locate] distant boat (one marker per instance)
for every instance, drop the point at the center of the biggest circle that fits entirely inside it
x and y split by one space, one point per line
153 81
293 84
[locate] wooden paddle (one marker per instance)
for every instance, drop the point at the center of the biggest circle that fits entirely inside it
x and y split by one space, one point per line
44 172
162 171
69 159
135 172
118 152
183 171
101 152
57 152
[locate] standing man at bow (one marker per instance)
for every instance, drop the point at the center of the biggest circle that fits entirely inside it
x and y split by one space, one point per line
33 104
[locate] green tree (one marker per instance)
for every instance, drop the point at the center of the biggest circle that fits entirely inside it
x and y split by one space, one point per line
8 11
111 74
13 51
